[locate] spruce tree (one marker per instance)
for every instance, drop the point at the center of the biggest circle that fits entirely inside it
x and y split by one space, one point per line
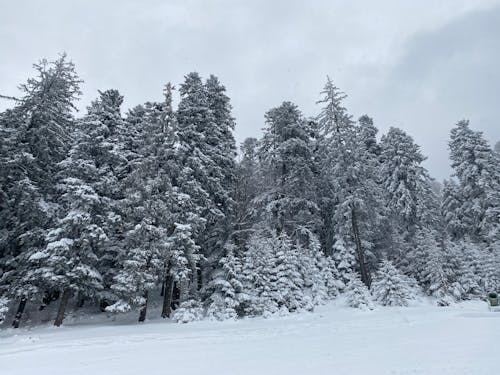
38 133
390 287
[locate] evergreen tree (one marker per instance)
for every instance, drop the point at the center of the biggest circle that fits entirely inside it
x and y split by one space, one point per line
451 204
391 287
351 192
409 197
345 261
247 189
38 133
261 295
286 157
357 294
188 311
225 287
477 169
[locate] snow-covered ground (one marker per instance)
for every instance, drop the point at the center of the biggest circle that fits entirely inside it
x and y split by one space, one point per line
423 339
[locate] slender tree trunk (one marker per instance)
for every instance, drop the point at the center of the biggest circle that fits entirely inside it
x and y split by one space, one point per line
62 308
19 312
167 297
144 308
365 275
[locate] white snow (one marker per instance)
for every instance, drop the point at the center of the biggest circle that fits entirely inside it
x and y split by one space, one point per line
334 340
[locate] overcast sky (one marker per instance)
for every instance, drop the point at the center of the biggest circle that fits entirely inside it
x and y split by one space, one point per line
418 65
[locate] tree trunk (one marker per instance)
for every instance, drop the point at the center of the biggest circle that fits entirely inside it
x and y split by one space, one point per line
62 308
19 312
167 297
365 275
144 308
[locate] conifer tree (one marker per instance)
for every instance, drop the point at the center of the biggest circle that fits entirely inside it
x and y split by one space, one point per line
225 287
391 287
357 294
38 133
477 169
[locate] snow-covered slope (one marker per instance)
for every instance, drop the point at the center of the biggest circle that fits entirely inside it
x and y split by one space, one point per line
461 339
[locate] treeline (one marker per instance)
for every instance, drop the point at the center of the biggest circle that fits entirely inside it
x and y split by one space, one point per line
113 210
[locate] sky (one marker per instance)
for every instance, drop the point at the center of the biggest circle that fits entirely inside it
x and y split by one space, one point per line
418 65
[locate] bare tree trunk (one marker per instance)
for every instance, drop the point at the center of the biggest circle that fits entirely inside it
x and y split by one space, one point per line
167 297
19 312
144 308
365 275
62 308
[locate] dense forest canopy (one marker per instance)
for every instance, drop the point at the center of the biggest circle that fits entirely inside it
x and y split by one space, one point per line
111 210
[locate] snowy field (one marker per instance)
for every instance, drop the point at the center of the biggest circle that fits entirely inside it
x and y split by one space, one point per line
462 339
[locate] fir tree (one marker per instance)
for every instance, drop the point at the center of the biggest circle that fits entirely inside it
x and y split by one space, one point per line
225 287
478 172
391 287
357 294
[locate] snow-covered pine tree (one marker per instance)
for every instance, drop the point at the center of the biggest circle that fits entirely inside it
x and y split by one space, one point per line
200 176
220 149
190 310
390 287
409 197
260 294
451 204
345 261
286 156
357 294
468 270
39 136
438 277
150 203
351 191
247 188
225 287
290 282
477 169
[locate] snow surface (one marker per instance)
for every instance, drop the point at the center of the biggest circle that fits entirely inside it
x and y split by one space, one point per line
334 340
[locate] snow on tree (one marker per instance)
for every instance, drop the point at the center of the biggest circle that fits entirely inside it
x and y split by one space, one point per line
225 287
357 294
350 165
188 311
497 147
286 158
410 200
390 287
468 271
321 277
451 205
345 261
438 278
290 282
260 295
247 188
477 169
220 149
4 308
39 136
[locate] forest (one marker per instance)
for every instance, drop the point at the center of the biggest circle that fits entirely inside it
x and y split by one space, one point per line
111 209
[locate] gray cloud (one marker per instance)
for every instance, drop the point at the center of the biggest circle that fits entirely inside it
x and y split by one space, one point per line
417 65
444 75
